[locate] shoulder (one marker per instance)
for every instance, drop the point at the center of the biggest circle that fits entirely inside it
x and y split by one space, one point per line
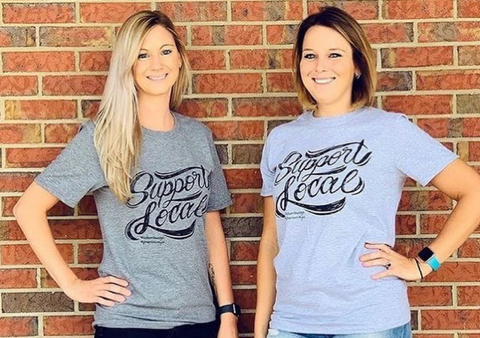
288 129
388 119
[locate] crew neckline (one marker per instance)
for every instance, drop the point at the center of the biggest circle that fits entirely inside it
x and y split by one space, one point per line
337 119
156 133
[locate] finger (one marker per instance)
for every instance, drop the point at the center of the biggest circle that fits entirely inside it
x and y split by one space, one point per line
105 302
372 255
115 280
116 289
376 262
382 274
111 296
379 246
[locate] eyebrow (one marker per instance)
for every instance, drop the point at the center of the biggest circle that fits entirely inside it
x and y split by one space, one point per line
331 49
165 45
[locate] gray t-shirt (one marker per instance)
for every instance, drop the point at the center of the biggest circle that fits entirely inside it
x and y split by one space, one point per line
336 183
156 241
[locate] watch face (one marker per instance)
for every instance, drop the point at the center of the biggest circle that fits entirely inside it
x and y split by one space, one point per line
425 254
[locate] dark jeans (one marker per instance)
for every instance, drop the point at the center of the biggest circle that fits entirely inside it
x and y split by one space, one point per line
204 330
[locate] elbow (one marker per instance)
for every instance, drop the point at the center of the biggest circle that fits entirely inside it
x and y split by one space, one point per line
18 209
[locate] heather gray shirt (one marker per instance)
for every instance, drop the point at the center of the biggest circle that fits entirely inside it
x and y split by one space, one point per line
336 183
156 241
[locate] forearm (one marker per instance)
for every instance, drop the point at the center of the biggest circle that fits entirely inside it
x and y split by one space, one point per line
35 226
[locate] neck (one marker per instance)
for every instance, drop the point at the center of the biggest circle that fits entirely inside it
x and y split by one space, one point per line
331 110
154 112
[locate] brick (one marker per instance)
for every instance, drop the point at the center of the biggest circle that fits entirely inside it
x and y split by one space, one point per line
87 206
243 35
236 130
266 10
410 247
405 225
95 61
188 11
204 107
468 104
247 203
46 281
468 295
90 253
222 151
18 278
243 178
432 224
435 336
417 56
450 319
448 31
394 81
424 200
280 82
250 107
18 85
15 182
246 298
274 123
18 326
280 59
246 153
60 133
31 157
469 55
36 302
388 32
74 85
470 249
472 151
469 9
417 9
38 62
67 325
39 13
227 83
20 133
360 10
112 12
419 105
242 226
23 254
446 80
58 209
281 34
249 59
430 295
208 35
206 59
243 274
74 36
456 272
245 324
40 109
244 251
17 36
90 108
435 127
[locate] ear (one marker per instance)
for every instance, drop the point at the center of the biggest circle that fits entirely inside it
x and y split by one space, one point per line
180 63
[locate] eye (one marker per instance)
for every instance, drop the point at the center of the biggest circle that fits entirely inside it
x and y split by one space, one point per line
309 56
166 52
334 55
142 56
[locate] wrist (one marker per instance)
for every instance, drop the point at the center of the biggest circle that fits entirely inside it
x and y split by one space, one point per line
427 256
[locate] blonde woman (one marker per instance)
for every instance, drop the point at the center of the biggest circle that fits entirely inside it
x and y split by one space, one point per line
332 181
158 187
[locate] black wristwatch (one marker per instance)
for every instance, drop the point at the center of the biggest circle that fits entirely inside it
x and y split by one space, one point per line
233 308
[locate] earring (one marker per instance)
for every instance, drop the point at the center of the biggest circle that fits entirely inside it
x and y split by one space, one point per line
357 76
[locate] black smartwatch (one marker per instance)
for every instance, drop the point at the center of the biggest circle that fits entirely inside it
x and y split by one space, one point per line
233 308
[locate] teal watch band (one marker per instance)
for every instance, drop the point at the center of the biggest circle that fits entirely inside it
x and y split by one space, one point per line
429 257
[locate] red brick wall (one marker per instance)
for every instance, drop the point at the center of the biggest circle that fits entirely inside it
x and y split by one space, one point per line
54 57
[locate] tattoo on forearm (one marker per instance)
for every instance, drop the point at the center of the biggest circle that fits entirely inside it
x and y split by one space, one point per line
212 277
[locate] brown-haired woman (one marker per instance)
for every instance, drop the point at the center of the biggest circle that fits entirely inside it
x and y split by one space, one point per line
158 186
332 181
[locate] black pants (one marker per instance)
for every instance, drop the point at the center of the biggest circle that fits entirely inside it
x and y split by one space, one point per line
206 330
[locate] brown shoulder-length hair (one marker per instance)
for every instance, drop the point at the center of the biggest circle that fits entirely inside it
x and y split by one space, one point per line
363 88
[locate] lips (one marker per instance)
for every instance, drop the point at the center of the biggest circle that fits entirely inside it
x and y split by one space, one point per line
157 77
324 80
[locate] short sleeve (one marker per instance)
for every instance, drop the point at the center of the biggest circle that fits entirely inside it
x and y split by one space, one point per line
417 154
219 194
76 171
267 170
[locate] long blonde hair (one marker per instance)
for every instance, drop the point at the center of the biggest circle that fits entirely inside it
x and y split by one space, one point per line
118 133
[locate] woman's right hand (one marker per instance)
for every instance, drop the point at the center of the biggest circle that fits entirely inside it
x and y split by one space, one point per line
106 291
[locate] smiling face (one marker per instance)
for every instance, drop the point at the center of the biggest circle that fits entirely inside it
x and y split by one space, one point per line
327 68
157 67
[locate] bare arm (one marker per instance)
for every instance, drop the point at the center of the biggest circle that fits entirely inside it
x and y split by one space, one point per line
31 213
266 275
461 183
220 271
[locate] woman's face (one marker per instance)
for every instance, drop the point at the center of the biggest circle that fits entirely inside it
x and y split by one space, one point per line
327 67
158 64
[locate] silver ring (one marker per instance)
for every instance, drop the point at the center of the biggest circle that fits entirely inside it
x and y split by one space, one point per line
388 265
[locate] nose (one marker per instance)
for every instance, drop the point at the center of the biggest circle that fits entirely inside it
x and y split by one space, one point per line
157 63
321 64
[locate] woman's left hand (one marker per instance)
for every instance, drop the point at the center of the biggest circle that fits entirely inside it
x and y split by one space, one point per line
395 264
228 326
